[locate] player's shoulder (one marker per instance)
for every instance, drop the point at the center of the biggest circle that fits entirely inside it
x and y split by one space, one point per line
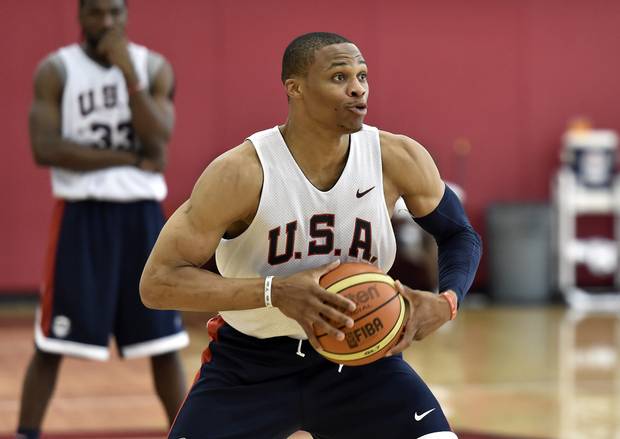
237 168
408 165
158 68
50 74
155 61
231 183
243 154
52 64
150 53
399 148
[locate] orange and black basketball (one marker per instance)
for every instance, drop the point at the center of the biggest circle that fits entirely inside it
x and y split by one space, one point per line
379 317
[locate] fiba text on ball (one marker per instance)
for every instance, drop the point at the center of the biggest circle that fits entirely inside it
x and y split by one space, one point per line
357 335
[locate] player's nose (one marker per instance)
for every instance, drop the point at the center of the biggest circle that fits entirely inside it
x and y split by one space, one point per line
357 89
107 21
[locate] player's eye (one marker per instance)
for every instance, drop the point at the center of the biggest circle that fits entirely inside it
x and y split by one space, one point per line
339 77
362 76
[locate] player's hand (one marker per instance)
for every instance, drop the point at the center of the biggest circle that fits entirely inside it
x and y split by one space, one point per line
114 47
300 297
427 312
149 165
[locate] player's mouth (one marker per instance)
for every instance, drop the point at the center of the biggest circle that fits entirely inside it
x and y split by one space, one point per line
359 109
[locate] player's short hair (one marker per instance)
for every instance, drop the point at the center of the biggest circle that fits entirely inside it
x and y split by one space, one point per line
299 54
83 2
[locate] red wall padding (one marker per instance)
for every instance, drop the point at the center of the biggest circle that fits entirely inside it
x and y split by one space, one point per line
504 75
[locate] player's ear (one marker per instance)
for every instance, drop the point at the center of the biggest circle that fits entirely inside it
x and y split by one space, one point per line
293 87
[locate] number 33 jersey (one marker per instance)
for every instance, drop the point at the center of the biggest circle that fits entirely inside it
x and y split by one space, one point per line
96 114
298 227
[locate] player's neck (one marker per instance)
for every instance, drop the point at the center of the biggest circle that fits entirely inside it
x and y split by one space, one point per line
312 141
320 156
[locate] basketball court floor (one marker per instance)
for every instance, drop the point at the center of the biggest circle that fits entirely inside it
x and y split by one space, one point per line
500 372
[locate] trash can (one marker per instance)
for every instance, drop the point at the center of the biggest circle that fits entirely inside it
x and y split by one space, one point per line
519 249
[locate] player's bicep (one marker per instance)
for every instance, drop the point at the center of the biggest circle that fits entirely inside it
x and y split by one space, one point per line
45 117
43 122
162 88
193 232
417 177
182 242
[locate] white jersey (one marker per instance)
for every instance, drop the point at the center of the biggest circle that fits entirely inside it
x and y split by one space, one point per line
298 226
95 111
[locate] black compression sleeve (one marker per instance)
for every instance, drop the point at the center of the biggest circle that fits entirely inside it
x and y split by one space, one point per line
458 243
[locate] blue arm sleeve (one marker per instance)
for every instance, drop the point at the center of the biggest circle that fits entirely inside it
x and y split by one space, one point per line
459 245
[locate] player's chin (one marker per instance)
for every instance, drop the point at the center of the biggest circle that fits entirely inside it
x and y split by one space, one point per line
351 128
94 40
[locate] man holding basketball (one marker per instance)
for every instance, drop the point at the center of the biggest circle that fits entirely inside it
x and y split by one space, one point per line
307 194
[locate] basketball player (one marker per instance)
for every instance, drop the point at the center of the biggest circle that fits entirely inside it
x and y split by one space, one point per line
307 194
101 118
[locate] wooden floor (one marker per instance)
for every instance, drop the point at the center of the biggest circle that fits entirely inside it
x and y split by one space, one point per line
521 372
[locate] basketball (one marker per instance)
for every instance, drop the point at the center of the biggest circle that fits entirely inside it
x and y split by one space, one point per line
378 319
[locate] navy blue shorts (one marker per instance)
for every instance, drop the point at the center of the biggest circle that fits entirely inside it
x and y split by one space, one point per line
90 292
261 389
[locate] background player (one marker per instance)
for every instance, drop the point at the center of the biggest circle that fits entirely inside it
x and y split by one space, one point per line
318 189
101 118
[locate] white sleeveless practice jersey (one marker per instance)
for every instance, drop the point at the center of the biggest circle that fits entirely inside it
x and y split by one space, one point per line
95 111
298 226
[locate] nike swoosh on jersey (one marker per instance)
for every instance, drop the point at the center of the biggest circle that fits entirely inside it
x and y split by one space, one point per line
359 194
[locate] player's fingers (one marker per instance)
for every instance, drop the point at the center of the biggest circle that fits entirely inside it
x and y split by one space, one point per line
102 46
408 332
336 300
320 329
335 317
404 343
403 290
329 327
323 269
420 335
408 302
115 31
312 338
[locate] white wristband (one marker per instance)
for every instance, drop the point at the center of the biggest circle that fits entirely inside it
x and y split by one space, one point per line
268 281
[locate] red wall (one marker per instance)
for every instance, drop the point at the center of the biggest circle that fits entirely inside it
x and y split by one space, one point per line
505 75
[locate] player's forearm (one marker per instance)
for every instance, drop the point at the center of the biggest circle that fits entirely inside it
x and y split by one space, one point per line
152 126
63 153
458 243
459 257
190 288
